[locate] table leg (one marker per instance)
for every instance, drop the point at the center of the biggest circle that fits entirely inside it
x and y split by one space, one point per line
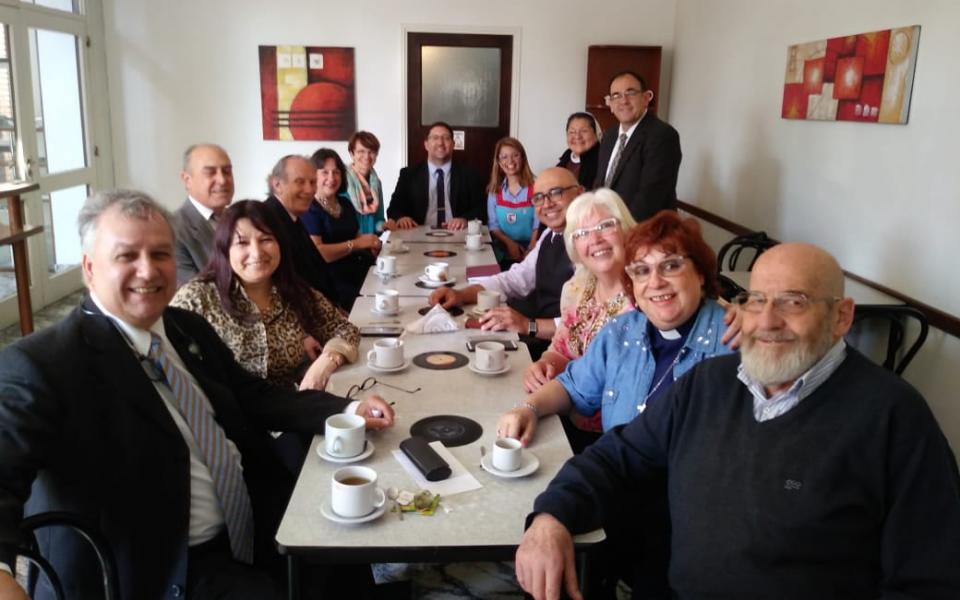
20 266
293 578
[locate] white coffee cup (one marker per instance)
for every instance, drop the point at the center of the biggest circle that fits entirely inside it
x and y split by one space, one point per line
387 301
386 353
487 299
507 454
344 435
473 226
491 356
386 265
354 492
437 271
474 241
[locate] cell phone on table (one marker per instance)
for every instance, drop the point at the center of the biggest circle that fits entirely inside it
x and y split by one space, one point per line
508 344
381 330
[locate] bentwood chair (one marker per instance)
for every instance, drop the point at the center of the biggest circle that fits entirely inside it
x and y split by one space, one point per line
40 566
897 319
750 245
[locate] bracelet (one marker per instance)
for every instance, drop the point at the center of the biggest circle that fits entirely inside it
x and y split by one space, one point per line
349 246
533 409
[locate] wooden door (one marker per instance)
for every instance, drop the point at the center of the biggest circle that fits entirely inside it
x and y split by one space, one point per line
465 80
603 62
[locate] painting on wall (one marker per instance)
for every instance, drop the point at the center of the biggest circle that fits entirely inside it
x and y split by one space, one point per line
307 93
866 77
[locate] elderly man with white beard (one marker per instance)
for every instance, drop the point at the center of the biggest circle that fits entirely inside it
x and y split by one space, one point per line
798 470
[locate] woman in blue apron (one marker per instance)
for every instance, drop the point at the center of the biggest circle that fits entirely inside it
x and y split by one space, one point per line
511 217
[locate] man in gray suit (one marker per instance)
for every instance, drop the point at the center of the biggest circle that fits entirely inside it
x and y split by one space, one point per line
208 177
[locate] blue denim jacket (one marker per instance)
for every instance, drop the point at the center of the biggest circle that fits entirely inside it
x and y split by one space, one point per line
616 372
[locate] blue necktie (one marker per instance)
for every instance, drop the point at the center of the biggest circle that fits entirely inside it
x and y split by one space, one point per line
220 458
441 199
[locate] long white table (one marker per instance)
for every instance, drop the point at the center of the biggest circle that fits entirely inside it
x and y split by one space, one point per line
418 254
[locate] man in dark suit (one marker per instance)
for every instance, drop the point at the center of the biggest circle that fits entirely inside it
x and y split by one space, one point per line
439 192
293 186
136 418
208 177
640 157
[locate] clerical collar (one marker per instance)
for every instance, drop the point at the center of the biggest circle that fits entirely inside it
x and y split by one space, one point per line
670 334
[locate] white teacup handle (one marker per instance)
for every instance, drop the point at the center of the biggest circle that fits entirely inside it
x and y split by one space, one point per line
337 446
370 356
383 498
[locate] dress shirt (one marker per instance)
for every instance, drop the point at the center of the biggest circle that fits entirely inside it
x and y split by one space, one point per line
204 211
765 408
432 178
206 516
614 156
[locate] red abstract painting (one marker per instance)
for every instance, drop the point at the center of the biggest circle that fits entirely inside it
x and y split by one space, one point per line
307 93
866 77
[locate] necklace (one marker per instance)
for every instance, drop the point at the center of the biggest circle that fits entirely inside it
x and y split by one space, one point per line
676 359
333 209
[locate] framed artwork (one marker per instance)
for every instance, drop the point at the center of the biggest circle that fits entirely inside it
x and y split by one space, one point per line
866 77
307 93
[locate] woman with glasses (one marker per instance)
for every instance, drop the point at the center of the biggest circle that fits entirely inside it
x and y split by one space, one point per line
597 224
583 148
510 213
363 183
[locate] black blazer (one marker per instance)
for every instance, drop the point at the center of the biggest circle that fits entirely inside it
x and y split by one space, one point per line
646 176
412 194
588 165
82 429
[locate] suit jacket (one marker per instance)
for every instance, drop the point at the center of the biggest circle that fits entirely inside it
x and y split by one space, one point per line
194 241
412 194
84 427
307 261
646 176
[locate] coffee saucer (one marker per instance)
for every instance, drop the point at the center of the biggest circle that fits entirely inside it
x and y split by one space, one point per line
500 371
378 369
469 249
528 464
327 511
385 313
386 276
367 452
476 311
433 283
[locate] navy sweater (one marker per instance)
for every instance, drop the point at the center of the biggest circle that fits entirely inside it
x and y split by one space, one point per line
852 494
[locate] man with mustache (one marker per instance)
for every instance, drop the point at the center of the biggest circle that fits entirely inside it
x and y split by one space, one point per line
801 470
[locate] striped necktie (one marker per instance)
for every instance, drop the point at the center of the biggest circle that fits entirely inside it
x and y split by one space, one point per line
220 458
616 160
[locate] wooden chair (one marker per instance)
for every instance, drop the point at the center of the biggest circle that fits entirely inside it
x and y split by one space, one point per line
757 243
897 319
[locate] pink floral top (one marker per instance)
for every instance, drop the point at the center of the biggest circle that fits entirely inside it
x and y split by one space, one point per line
581 317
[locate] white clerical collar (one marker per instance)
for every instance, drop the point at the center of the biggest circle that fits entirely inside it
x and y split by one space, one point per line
670 334
139 338
204 211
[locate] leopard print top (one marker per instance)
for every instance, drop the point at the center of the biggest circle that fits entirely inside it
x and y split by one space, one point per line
272 345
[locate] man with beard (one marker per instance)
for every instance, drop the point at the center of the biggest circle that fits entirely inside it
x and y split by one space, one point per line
801 470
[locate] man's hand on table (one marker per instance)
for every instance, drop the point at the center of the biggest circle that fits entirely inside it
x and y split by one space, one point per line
406 223
444 296
456 224
520 423
504 318
545 560
377 412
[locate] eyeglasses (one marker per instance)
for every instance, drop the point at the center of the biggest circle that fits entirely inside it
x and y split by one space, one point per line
603 227
784 303
670 267
369 382
553 194
584 132
617 96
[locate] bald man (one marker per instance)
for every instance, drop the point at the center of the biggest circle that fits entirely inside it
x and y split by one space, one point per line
208 178
798 470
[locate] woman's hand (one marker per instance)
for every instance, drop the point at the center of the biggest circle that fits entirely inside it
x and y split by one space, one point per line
519 423
319 373
377 412
367 241
514 251
538 374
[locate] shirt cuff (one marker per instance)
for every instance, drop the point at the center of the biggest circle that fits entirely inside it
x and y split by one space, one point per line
351 408
342 347
6 567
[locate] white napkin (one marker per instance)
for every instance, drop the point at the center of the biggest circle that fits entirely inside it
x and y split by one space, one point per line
460 479
438 320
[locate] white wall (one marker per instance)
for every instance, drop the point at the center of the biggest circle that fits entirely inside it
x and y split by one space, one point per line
187 71
885 199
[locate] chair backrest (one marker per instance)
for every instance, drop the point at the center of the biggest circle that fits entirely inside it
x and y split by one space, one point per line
750 245
897 319
108 565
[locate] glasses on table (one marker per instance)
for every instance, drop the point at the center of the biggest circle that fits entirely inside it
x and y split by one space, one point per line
603 227
669 267
617 96
784 303
369 382
553 194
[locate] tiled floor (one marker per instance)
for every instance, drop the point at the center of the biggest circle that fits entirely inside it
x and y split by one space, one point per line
42 318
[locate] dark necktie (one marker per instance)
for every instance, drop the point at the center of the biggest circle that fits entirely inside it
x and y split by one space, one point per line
441 199
222 460
616 160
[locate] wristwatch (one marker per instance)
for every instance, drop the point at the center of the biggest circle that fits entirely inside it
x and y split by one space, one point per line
532 327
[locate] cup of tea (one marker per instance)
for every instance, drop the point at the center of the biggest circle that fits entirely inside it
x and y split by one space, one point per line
438 271
473 226
387 301
354 492
344 435
491 356
386 354
386 264
487 299
507 454
474 241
